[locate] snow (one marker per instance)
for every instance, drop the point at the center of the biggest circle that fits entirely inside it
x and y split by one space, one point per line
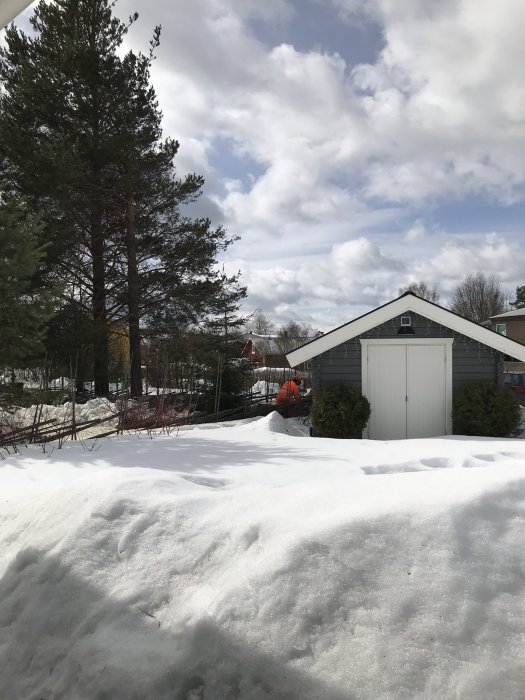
91 410
61 383
274 372
250 561
265 388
